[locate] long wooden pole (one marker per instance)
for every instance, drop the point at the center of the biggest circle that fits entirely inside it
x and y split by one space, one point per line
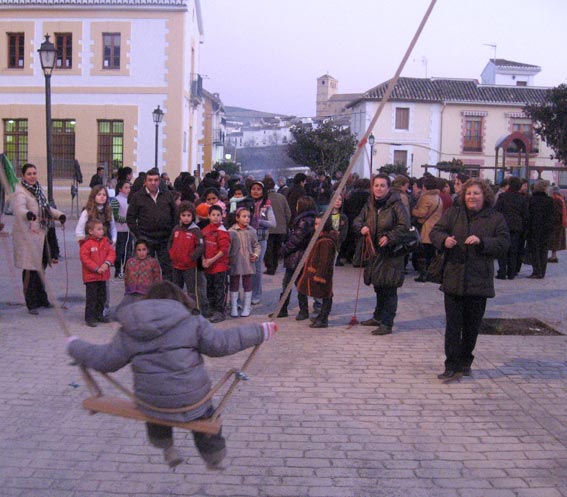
353 160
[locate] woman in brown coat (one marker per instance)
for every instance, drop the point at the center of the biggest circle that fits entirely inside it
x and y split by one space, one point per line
427 212
317 278
32 215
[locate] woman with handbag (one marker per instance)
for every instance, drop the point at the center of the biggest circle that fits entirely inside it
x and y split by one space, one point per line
34 248
472 235
384 219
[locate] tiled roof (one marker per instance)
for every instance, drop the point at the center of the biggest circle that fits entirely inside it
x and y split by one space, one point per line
454 91
344 97
93 3
511 63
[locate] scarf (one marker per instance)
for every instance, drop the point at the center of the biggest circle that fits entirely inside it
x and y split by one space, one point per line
44 209
559 198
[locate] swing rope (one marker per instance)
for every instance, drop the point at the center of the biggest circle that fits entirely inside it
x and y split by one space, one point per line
368 251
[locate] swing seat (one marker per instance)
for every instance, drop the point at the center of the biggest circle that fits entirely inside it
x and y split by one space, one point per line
116 406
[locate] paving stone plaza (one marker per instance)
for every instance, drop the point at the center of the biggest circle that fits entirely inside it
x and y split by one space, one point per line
332 412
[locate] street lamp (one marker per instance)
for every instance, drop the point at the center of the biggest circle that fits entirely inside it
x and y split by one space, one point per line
157 114
371 143
47 56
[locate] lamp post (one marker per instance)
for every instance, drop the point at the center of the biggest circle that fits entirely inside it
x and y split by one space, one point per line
371 143
157 115
47 56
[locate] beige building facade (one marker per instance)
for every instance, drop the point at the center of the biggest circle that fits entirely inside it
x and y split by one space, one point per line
117 60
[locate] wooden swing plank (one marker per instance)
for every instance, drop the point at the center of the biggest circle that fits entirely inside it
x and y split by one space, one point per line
116 406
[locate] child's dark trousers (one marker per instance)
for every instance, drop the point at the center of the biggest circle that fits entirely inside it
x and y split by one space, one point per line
96 297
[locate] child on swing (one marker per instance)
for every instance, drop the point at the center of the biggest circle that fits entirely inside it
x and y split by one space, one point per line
164 341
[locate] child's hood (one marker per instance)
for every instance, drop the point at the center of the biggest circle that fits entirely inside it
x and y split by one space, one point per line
192 226
90 238
148 319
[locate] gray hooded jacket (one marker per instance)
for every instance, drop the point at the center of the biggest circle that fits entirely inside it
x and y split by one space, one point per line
164 343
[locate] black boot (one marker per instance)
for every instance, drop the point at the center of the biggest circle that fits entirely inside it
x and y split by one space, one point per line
303 307
422 265
283 310
322 320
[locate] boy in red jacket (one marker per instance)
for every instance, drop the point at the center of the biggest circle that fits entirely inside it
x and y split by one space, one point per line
97 256
216 262
186 247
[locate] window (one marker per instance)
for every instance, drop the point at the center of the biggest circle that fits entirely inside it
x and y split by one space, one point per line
472 171
16 141
64 45
110 144
402 118
401 158
521 83
111 51
63 147
473 135
16 50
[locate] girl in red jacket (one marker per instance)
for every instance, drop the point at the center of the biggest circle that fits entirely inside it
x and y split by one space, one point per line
186 247
97 256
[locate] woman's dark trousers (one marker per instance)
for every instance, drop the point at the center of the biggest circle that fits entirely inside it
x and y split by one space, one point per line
386 305
538 253
508 265
34 291
463 319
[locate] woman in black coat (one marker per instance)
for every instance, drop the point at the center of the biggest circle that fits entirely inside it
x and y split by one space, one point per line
471 235
384 218
540 228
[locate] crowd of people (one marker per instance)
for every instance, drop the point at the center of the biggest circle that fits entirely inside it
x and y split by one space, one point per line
195 244
218 236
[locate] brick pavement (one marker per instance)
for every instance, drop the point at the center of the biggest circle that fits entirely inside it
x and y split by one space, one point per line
333 412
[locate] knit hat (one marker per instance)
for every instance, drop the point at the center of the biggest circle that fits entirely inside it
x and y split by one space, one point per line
202 210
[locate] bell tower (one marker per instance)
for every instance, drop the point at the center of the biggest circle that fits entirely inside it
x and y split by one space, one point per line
327 86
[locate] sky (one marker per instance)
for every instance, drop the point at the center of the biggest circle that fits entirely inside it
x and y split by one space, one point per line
267 54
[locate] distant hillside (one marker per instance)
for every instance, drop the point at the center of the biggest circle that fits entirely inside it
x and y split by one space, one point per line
243 115
272 159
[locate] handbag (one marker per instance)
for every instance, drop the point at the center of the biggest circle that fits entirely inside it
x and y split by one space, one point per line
436 268
406 243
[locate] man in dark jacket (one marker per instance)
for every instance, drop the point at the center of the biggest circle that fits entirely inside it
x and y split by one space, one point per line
540 227
514 207
98 178
151 216
296 192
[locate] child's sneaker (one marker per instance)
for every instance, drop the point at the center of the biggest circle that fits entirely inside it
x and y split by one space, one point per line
172 457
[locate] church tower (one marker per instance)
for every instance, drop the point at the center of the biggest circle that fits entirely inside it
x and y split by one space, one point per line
327 86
